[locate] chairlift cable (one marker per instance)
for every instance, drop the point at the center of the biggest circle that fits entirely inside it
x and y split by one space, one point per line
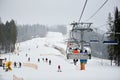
97 10
82 11
100 26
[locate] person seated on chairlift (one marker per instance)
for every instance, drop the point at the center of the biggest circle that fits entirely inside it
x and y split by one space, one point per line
85 52
75 51
81 51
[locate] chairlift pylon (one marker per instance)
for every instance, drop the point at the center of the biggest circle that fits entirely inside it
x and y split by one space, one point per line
77 41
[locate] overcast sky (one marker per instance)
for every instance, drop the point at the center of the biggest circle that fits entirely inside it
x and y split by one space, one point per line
50 12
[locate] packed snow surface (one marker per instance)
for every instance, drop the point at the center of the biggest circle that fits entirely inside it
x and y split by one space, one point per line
96 69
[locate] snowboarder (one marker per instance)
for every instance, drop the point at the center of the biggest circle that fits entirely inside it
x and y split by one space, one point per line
49 62
59 68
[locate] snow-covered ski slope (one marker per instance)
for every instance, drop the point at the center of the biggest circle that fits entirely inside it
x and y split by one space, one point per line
96 69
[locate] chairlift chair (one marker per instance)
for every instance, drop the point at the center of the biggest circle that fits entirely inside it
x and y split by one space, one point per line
110 42
95 38
94 41
75 40
71 55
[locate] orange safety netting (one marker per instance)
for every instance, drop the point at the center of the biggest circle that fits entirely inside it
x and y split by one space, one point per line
31 65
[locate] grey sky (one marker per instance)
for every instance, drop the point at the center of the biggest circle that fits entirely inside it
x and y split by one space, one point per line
50 12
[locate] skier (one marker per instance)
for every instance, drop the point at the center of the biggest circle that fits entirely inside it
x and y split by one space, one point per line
29 59
20 64
37 46
38 60
43 59
15 64
26 55
5 59
3 66
59 68
49 62
46 59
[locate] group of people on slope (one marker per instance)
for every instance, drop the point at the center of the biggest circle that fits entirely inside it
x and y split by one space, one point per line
47 60
19 64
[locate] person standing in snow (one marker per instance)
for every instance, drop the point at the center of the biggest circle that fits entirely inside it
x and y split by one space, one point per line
15 64
46 59
38 60
28 58
3 66
26 55
59 68
43 59
5 59
49 62
20 64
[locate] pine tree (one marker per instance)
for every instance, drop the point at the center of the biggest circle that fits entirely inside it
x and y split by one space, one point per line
8 36
111 36
117 35
13 35
114 50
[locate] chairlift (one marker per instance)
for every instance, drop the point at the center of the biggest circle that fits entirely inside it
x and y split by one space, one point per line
71 45
71 55
95 38
94 41
110 42
75 40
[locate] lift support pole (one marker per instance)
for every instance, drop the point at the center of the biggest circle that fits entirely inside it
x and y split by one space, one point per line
82 27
